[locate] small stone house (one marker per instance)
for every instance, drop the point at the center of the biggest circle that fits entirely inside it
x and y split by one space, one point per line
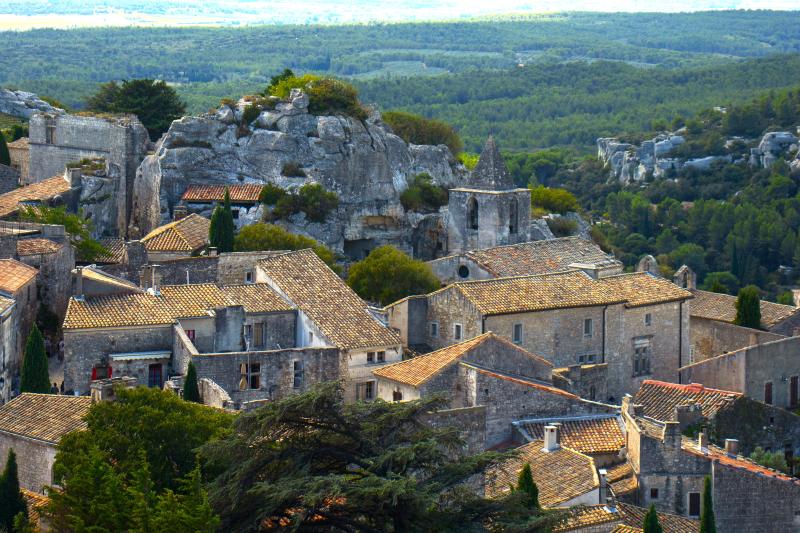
32 425
202 199
526 259
712 306
18 281
42 192
181 238
54 262
637 324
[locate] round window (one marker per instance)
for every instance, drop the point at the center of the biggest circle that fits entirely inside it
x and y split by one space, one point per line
463 271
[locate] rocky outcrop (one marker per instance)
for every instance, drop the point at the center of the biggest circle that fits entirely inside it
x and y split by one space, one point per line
772 145
630 163
362 161
23 105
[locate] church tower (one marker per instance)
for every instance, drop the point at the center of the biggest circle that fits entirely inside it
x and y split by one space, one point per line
488 210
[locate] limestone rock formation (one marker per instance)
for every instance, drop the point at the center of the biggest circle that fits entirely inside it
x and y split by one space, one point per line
772 145
362 161
630 163
22 104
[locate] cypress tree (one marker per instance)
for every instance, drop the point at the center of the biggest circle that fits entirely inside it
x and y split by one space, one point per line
11 501
748 308
214 230
5 157
35 374
651 523
191 393
226 241
707 522
527 485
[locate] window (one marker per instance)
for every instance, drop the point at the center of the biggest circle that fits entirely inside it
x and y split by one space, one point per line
381 357
513 217
793 385
653 494
588 327
768 393
694 504
457 333
472 213
298 374
235 214
397 396
50 132
641 358
248 277
370 357
310 337
154 376
365 391
190 334
251 375
434 329
248 335
592 392
258 335
648 319
463 272
517 335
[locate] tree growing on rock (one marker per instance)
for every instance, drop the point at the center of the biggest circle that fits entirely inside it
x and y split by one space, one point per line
221 230
257 237
748 308
11 501
387 274
191 392
35 376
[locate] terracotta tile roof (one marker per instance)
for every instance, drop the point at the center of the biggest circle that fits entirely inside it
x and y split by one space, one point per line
586 516
713 453
15 275
173 302
116 251
561 475
722 307
565 290
22 142
185 235
35 192
107 279
618 471
37 247
34 501
527 382
658 399
586 434
216 193
633 516
45 417
337 311
626 485
538 257
5 304
418 370
622 528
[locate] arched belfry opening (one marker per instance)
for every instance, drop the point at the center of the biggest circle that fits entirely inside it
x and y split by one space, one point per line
472 213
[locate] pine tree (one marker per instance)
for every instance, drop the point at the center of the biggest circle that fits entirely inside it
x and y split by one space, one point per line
191 393
527 485
707 522
35 373
11 501
651 523
5 158
748 308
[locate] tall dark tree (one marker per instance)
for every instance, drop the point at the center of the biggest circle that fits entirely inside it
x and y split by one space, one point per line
527 485
154 102
191 393
748 308
707 521
221 230
35 373
5 157
387 274
651 523
11 501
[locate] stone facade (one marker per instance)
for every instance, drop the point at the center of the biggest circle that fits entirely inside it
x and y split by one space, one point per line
35 459
19 154
710 338
9 178
10 357
54 281
482 219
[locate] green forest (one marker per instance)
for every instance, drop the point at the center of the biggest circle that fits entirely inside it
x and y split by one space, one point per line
535 81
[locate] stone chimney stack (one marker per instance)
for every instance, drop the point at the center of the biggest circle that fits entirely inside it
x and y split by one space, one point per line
211 251
551 443
155 279
702 440
179 212
732 447
74 175
79 283
603 475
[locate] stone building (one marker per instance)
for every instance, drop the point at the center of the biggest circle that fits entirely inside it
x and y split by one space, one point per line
525 259
32 425
182 238
54 262
53 190
620 518
19 154
9 179
331 314
488 210
635 323
721 414
775 318
671 469
202 199
18 282
9 346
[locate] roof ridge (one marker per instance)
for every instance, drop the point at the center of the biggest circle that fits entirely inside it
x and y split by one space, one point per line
689 387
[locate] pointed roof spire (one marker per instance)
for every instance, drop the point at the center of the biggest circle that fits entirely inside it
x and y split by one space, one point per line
491 172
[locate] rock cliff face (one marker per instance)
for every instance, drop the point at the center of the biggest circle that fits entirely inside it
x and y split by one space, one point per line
630 163
23 105
363 162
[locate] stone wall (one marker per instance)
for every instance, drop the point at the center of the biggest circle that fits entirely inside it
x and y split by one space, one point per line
457 268
788 327
54 281
213 395
10 356
754 424
409 318
494 215
471 423
448 308
710 338
586 381
34 460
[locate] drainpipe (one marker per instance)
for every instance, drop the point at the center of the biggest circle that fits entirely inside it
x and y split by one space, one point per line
680 339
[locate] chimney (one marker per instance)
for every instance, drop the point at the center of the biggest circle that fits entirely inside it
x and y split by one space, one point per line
732 447
155 278
179 212
550 439
79 283
211 251
603 474
74 177
702 440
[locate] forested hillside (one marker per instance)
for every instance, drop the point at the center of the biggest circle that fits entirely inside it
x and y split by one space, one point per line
533 81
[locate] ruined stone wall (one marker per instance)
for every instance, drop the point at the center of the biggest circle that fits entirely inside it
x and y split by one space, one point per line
754 424
710 338
34 460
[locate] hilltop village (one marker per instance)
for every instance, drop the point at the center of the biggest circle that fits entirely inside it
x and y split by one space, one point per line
620 390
